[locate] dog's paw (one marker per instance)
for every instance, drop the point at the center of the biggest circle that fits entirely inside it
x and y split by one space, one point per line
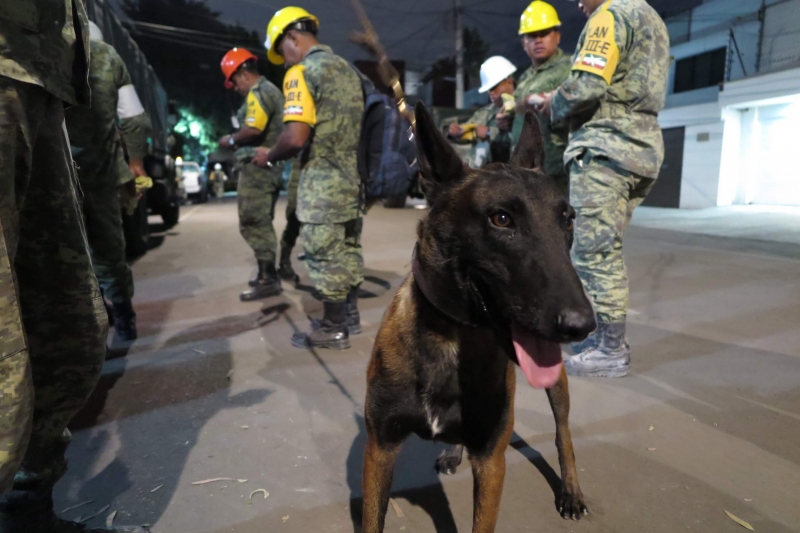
446 465
571 506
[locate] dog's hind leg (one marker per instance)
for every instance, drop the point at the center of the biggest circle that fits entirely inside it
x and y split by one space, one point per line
570 502
377 484
449 460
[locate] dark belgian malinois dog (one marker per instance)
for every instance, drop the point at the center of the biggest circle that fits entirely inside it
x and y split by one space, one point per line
491 285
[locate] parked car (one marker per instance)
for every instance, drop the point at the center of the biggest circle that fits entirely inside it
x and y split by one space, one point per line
195 181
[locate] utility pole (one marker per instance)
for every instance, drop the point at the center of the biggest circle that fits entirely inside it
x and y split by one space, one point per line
459 56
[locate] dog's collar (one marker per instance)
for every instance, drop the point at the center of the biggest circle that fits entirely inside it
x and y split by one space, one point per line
452 309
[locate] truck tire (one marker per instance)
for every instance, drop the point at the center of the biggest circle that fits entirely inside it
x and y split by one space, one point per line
171 213
395 202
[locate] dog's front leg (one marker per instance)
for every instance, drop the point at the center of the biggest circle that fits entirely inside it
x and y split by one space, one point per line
377 483
489 472
570 503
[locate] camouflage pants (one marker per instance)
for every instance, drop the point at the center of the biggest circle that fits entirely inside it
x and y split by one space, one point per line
333 257
604 198
52 320
258 192
102 210
292 229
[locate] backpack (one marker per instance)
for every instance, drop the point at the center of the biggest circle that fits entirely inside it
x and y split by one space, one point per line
387 157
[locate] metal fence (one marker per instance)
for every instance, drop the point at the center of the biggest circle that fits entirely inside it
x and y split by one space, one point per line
148 86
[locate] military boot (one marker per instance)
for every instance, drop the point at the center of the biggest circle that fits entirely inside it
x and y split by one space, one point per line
285 269
29 512
611 358
125 321
353 316
267 283
589 343
332 332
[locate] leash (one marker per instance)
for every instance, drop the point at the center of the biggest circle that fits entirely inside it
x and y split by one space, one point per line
454 310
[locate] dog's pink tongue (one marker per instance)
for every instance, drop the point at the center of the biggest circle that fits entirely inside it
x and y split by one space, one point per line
540 360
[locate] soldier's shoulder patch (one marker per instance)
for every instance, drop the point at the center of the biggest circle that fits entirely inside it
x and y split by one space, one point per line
599 54
256 116
298 105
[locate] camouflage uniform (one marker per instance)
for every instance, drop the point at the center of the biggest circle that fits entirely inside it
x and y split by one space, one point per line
95 140
259 188
324 91
545 78
52 318
611 102
501 143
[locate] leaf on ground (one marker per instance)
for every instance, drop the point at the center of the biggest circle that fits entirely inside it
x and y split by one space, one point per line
89 517
242 480
155 489
285 518
245 427
266 494
651 449
213 479
739 521
652 428
201 352
396 507
748 499
78 505
110 519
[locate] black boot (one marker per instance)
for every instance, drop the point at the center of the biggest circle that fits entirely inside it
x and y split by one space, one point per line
125 321
31 512
353 316
267 283
332 332
285 269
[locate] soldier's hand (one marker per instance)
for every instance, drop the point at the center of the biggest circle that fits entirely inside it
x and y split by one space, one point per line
454 130
482 132
504 121
545 107
262 157
225 142
137 167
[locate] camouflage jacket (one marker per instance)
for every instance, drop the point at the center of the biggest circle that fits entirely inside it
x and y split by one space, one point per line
500 144
262 110
40 45
542 79
324 91
93 132
617 88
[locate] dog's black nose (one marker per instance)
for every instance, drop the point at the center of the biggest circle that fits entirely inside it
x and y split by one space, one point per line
574 324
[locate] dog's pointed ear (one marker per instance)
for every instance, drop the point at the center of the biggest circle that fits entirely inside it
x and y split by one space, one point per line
438 161
529 152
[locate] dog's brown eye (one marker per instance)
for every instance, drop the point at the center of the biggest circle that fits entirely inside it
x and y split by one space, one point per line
501 220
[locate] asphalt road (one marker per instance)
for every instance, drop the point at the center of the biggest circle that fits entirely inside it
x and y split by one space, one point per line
709 421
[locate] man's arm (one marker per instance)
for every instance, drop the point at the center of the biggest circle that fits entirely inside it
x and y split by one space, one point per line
244 136
292 139
593 69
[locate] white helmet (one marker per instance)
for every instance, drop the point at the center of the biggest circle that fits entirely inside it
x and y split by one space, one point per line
494 70
95 34
217 167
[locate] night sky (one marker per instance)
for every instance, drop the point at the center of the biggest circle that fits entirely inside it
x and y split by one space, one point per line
421 31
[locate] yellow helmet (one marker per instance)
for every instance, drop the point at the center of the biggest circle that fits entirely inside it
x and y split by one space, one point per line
279 24
538 16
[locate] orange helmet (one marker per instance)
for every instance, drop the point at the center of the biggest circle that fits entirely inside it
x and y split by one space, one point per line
232 61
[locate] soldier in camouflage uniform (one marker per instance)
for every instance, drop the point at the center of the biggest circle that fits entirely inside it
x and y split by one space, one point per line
540 29
218 179
259 188
490 130
323 97
611 102
95 141
52 320
292 229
